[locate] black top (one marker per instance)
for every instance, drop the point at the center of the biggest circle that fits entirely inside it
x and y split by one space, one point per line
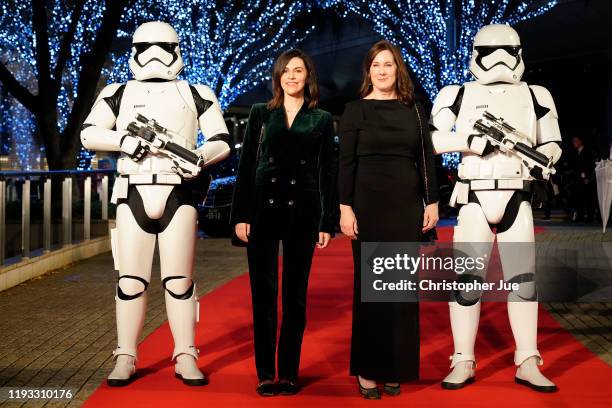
372 127
286 176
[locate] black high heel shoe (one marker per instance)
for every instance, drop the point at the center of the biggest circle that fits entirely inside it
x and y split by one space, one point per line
392 390
368 393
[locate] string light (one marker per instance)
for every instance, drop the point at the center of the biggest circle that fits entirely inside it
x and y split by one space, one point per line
230 46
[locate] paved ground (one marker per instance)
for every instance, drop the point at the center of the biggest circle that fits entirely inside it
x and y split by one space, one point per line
59 330
591 323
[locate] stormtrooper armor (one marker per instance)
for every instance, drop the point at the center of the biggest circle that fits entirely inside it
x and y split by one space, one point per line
494 190
152 193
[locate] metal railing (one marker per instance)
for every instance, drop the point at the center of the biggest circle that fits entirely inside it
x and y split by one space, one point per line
13 181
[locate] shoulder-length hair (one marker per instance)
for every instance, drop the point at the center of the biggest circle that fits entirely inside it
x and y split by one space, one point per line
311 88
403 84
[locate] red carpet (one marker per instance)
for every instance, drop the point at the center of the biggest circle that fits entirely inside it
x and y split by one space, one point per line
225 342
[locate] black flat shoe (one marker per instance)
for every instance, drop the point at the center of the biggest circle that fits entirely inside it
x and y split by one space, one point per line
539 388
392 390
457 386
368 393
287 388
267 389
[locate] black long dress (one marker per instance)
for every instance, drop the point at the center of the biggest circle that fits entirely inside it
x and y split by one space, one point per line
382 177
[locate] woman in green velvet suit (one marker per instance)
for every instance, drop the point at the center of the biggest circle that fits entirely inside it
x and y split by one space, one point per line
284 192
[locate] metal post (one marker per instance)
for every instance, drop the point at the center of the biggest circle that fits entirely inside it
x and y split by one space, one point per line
104 197
47 216
67 211
87 209
25 219
2 219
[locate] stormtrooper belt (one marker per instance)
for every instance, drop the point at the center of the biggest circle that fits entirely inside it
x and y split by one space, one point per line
172 179
464 188
498 184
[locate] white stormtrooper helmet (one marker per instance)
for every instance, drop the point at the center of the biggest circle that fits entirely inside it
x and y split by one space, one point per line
155 52
497 55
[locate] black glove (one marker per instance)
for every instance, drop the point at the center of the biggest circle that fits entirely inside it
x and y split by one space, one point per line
536 173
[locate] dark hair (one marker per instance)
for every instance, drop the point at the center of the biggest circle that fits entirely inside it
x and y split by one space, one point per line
403 84
311 88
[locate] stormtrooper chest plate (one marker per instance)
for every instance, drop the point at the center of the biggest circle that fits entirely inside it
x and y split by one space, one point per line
164 102
171 105
514 104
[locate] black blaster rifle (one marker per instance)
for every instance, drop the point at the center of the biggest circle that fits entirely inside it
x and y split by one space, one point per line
507 139
157 140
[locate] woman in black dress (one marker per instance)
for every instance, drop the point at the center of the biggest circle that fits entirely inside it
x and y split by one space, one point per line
388 192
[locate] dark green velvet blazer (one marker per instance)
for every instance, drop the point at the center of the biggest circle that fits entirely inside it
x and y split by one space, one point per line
287 184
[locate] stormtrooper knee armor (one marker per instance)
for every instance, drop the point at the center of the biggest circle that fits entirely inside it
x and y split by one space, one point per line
152 193
494 190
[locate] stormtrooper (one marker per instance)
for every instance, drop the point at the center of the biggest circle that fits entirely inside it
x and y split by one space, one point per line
494 191
153 192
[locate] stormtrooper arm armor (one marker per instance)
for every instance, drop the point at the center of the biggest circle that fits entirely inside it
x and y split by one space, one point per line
96 132
548 133
443 117
210 118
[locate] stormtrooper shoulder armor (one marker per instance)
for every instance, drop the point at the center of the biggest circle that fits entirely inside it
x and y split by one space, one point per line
448 98
96 132
443 118
203 97
210 118
544 101
548 132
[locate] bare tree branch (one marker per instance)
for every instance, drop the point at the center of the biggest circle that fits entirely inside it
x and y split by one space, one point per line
19 91
64 52
40 26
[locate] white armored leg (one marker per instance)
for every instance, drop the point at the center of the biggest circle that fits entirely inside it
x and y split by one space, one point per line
464 324
472 237
522 310
176 247
524 322
135 247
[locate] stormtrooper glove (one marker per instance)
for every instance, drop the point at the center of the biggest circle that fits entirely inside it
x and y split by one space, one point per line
480 145
131 146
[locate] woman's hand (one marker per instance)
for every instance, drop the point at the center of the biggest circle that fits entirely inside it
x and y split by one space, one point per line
348 222
324 238
242 231
430 217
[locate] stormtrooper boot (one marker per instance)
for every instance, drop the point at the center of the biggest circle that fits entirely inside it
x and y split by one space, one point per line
130 318
124 372
464 324
182 316
524 322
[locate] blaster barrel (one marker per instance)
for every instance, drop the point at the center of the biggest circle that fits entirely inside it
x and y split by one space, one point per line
532 154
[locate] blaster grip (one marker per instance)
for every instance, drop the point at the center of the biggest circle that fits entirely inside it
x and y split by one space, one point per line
183 153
